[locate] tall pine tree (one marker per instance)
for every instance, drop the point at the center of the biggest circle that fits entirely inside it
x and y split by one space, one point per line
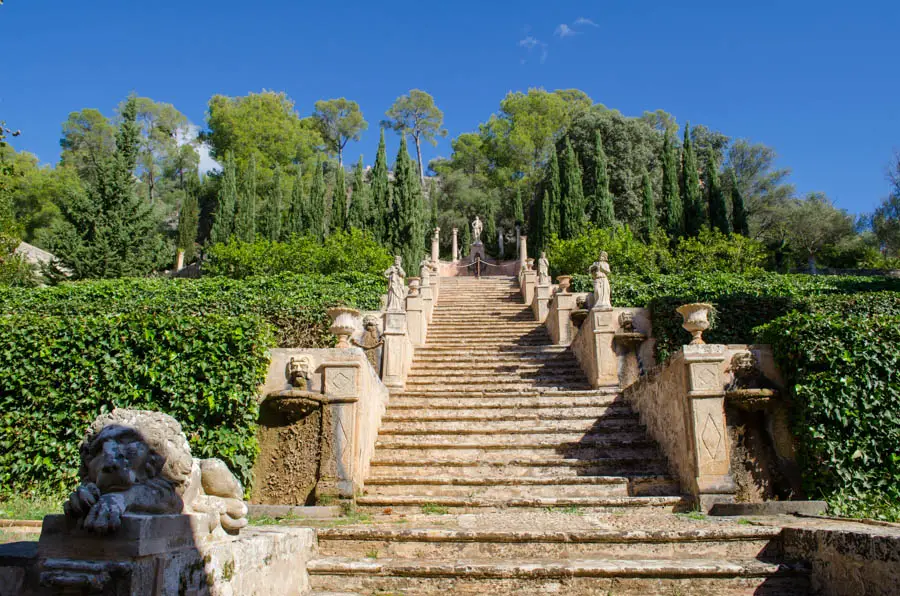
223 220
571 206
691 196
380 194
738 209
315 214
245 214
408 208
295 221
648 207
600 208
674 212
339 202
358 215
718 212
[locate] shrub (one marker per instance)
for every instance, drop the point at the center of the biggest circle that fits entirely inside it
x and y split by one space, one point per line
342 252
843 374
57 373
293 304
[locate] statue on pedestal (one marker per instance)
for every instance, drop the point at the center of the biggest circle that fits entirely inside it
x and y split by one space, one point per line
426 268
396 296
543 270
477 228
599 272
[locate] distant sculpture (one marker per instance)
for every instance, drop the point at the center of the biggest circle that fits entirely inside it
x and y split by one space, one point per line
299 369
437 234
396 288
426 268
137 461
543 270
477 227
600 272
371 341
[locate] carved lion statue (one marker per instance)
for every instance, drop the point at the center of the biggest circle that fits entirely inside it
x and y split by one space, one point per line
140 461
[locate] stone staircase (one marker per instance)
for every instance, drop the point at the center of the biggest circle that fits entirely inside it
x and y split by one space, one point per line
499 470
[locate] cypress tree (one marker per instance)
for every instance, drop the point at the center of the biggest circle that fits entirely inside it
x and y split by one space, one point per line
296 215
718 212
433 198
381 204
223 221
545 222
315 212
270 223
518 211
738 209
691 197
188 220
245 214
600 208
339 202
572 195
674 214
466 239
408 208
552 208
648 207
358 215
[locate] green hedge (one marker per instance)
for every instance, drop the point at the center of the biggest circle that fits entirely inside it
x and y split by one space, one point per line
843 371
294 304
742 303
57 373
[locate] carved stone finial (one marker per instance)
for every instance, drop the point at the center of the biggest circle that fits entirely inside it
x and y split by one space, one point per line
343 324
696 320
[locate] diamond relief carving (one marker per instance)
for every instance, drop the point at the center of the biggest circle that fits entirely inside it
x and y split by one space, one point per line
711 437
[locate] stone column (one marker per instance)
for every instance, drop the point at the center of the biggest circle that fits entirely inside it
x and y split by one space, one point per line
518 241
559 318
455 246
522 242
394 353
179 260
705 413
341 386
417 317
435 246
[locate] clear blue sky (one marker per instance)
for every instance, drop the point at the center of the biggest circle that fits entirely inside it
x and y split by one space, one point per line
818 81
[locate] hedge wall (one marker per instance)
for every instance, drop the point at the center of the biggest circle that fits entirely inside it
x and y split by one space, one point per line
57 373
294 304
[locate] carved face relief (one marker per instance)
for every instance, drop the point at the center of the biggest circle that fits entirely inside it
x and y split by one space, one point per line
299 368
120 462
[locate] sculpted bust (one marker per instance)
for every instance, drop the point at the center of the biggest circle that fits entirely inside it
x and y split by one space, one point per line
137 461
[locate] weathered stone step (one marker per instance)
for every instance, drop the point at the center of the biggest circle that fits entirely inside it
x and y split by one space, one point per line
507 427
550 439
413 503
515 453
497 381
478 401
475 361
583 577
552 467
504 415
500 386
743 542
493 487
435 333
512 350
426 367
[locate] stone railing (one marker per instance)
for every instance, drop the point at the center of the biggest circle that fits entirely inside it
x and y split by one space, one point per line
612 345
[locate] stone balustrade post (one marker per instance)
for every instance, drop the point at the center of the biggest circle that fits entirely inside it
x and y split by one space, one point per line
396 350
455 245
522 242
341 385
417 317
606 364
559 318
528 285
541 303
435 247
705 413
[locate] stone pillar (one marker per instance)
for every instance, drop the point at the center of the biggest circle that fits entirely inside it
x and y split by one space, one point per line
606 362
179 260
705 413
519 241
559 318
394 353
455 245
341 386
417 317
528 283
435 246
541 303
522 243
500 248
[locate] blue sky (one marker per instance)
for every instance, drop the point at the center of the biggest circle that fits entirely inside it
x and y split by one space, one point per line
815 80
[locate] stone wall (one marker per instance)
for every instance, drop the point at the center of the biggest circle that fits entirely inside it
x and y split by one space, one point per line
608 354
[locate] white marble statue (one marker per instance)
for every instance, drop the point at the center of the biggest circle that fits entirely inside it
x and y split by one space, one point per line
543 270
600 273
477 228
396 297
426 270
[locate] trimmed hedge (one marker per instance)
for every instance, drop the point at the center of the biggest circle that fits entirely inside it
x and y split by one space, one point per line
843 372
742 303
293 304
57 373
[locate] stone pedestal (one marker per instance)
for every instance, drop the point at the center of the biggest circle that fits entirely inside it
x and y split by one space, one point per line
603 327
528 284
522 243
455 246
705 413
417 319
395 353
341 385
476 250
559 318
541 303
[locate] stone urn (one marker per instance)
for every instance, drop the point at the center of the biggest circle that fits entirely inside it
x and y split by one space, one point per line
415 284
529 264
696 320
564 282
343 323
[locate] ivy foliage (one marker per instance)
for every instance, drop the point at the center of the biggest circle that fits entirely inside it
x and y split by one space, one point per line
293 304
57 373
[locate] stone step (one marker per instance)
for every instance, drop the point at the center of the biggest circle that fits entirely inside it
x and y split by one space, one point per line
582 577
433 382
524 414
498 487
743 542
414 503
397 450
439 332
508 351
484 368
467 360
476 401
464 388
548 438
386 465
507 427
